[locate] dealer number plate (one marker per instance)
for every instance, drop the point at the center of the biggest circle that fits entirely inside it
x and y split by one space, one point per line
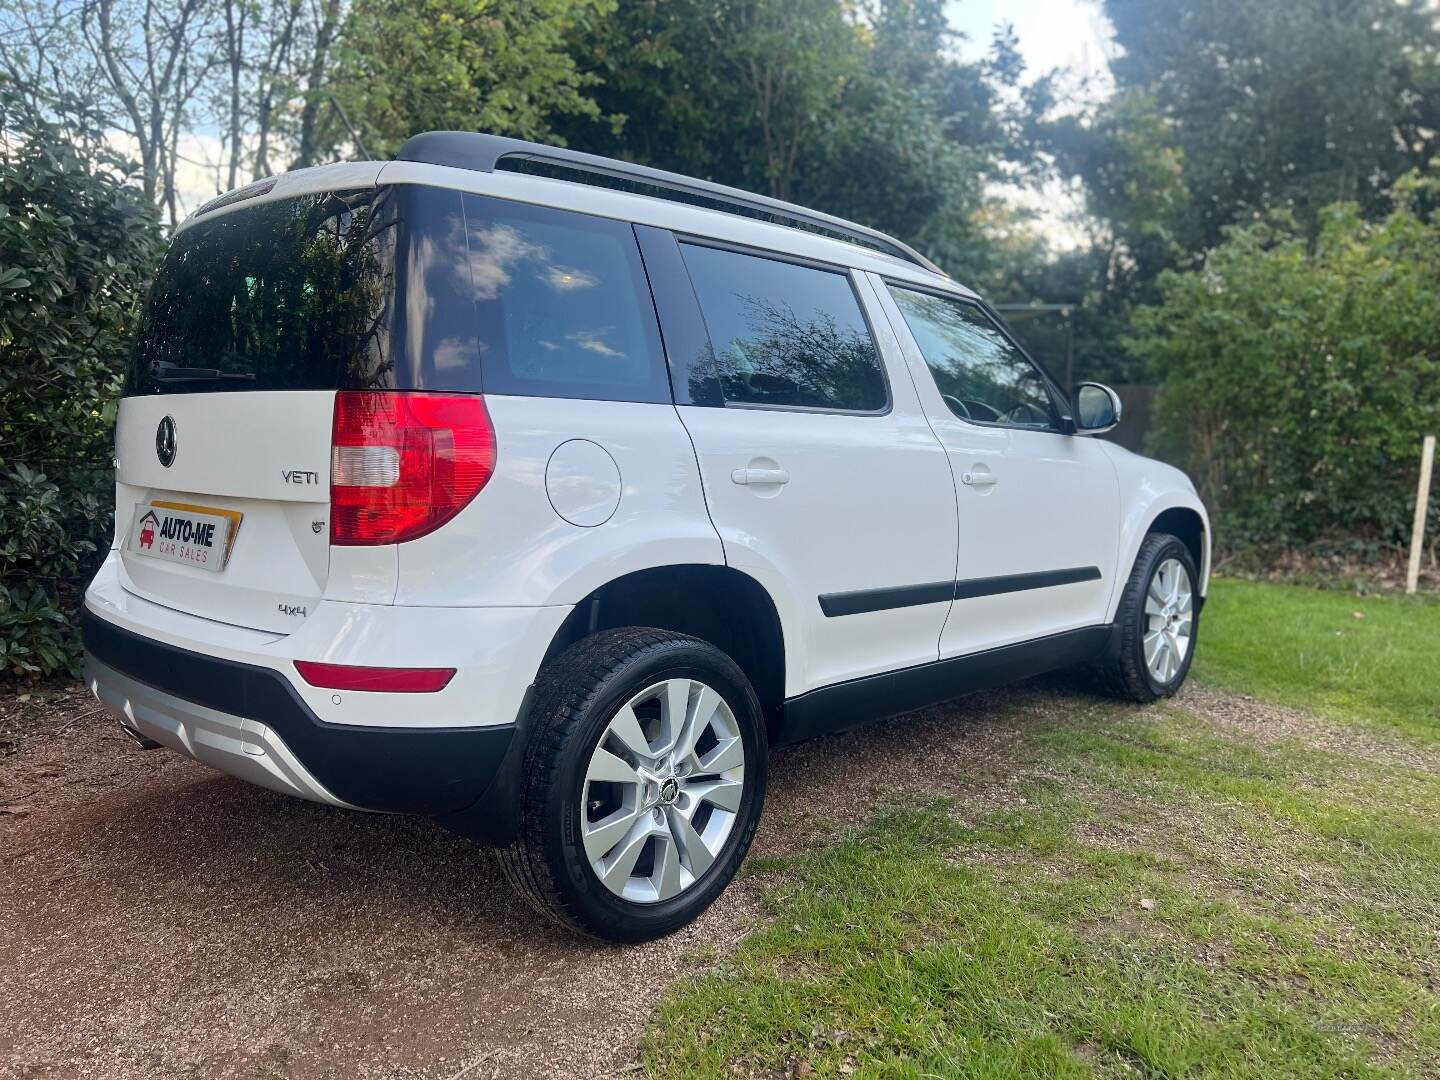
198 536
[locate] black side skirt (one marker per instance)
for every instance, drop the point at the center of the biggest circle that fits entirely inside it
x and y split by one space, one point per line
850 704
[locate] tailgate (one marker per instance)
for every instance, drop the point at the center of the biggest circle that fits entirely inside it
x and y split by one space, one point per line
236 527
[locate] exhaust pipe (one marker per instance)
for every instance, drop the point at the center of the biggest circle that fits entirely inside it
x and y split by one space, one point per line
140 740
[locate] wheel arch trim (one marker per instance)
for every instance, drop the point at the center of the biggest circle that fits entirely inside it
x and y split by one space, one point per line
1141 519
627 599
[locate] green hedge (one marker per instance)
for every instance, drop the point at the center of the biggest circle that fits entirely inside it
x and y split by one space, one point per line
76 248
1299 375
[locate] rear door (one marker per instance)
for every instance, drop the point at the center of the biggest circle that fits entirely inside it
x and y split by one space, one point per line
1039 510
821 474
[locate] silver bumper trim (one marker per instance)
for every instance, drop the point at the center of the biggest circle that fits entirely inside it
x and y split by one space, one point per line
236 745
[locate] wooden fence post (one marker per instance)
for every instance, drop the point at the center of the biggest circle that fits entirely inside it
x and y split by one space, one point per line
1422 503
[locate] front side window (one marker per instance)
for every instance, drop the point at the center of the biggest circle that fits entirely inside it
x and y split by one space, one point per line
783 334
982 375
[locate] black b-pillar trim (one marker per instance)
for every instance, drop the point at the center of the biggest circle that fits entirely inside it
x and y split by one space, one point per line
864 600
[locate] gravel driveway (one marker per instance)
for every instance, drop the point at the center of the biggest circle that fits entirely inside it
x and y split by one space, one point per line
161 919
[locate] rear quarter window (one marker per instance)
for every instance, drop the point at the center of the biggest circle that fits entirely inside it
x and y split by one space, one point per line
562 304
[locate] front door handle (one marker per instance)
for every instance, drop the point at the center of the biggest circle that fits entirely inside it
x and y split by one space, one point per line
760 476
979 479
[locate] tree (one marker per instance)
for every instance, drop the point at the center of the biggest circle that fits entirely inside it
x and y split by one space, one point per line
916 138
1300 372
154 60
862 112
475 65
1228 109
788 61
258 71
316 66
1292 104
77 244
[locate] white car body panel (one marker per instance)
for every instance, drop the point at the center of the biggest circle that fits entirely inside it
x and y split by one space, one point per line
511 547
1149 488
586 492
342 176
868 505
263 454
1051 508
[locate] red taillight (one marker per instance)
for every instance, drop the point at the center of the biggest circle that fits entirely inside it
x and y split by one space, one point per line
390 680
402 464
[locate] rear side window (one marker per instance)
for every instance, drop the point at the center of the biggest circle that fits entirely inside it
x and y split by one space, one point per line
784 334
981 374
562 304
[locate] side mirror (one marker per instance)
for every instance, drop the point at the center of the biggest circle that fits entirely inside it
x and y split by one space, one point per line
1097 408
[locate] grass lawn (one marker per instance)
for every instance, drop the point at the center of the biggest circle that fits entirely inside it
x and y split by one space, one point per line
1171 891
1359 659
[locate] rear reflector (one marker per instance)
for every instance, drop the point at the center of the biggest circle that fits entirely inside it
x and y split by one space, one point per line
404 463
390 680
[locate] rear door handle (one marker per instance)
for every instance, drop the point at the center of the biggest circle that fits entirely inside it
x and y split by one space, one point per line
760 476
979 479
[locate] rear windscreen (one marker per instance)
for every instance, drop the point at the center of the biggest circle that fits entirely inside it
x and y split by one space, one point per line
405 287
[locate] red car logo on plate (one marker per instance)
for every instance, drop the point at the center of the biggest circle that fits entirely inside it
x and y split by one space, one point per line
147 529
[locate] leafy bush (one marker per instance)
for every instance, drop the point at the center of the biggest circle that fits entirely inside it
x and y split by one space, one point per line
76 246
1300 374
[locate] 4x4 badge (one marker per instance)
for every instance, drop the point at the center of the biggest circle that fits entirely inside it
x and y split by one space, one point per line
165 441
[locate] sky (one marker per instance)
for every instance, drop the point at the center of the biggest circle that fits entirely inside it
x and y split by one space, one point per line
1053 33
1069 34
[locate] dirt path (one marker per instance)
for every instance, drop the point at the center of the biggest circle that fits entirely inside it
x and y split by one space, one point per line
160 919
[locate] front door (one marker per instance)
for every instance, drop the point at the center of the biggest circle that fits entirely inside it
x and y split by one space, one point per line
1038 509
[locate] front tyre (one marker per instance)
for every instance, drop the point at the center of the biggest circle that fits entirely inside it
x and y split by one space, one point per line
642 784
1157 623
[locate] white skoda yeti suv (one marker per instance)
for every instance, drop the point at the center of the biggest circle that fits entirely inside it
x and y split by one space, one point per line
544 494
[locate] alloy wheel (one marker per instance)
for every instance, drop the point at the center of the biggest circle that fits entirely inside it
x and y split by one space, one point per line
1169 620
662 791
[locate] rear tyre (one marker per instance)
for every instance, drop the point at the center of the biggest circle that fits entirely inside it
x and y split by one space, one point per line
642 784
1157 623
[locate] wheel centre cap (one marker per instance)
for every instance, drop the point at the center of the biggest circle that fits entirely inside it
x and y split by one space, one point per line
669 791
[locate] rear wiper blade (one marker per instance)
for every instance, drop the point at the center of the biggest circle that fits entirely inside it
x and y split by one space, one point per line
170 373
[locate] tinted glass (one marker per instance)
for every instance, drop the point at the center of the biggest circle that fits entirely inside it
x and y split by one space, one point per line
783 334
404 287
563 307
294 293
981 374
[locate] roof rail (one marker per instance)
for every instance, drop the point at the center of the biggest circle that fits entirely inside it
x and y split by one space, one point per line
482 153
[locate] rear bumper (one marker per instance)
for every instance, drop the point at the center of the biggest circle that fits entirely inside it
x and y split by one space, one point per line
250 721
